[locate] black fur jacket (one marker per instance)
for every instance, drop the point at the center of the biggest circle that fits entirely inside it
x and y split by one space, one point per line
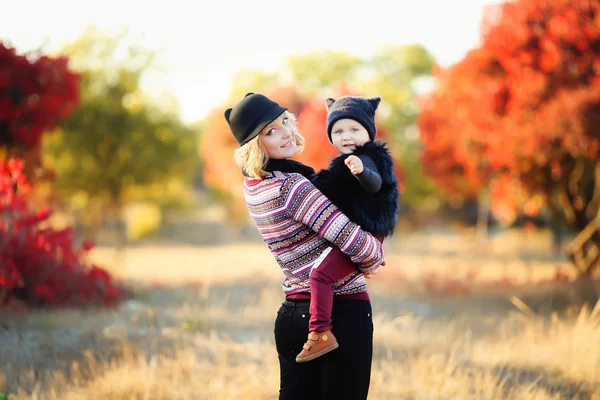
376 213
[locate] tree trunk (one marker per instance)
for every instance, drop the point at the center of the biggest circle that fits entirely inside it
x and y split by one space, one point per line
557 238
584 249
120 236
119 227
559 224
483 212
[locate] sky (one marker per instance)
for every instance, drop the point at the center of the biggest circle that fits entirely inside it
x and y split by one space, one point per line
202 44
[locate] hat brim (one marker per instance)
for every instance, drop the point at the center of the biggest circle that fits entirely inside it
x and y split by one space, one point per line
265 119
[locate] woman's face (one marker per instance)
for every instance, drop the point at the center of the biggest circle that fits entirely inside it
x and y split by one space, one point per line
278 139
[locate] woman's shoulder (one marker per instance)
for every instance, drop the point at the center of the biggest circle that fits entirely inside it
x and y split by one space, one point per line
278 178
278 187
286 176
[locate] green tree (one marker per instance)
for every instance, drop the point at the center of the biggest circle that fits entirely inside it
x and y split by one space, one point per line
115 141
396 74
250 80
316 70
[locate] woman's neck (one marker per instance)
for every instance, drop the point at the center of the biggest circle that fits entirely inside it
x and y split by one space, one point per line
289 166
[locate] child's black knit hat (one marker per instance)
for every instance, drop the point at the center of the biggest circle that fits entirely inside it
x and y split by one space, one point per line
360 109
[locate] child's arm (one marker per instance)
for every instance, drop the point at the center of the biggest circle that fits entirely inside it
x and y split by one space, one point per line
365 170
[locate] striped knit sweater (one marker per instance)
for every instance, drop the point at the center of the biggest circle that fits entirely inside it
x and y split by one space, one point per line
298 223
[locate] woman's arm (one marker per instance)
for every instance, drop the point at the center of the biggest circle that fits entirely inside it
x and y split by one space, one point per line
306 204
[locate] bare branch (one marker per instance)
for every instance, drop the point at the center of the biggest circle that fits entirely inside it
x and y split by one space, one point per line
568 210
583 236
593 206
575 177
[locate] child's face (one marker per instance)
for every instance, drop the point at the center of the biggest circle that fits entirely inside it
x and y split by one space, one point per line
346 134
278 139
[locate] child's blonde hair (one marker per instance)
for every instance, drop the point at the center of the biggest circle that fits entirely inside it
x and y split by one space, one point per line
252 156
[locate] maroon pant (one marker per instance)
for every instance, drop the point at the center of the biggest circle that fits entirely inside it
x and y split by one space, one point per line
334 267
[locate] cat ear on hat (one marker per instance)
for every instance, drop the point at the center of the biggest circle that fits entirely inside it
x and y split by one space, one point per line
227 113
329 102
374 101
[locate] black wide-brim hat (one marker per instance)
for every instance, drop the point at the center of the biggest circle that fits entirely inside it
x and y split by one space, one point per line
249 117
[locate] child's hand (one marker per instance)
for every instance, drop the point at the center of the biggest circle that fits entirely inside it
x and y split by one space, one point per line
354 164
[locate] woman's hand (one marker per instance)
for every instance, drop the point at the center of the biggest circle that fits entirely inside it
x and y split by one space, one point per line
354 164
369 275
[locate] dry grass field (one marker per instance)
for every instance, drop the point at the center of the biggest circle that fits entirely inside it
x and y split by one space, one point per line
454 319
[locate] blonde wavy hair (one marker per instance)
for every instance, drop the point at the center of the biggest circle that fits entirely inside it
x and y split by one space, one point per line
253 157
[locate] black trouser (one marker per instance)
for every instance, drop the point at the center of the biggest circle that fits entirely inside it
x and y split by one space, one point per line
344 373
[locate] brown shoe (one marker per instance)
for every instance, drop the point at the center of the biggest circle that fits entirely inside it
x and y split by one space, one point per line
317 345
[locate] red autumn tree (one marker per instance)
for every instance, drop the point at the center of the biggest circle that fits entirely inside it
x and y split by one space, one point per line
312 123
218 144
220 173
36 93
312 120
520 115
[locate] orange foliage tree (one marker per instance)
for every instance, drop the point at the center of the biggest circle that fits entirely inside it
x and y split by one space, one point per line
520 115
217 146
220 173
312 123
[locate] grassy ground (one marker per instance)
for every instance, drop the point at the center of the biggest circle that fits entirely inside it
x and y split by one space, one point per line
200 327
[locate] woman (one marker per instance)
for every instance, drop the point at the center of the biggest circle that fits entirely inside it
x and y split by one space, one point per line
299 223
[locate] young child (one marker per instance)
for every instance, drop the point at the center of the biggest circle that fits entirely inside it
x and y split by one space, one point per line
362 184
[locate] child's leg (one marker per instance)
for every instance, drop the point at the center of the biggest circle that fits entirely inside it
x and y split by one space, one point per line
331 267
334 266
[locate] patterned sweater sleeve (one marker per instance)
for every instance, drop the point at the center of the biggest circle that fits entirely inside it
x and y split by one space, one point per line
306 204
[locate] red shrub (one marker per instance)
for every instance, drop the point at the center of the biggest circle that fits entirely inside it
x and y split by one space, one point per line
36 92
40 265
